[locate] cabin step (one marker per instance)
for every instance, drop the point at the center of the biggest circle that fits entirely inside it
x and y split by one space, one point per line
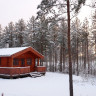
35 74
39 73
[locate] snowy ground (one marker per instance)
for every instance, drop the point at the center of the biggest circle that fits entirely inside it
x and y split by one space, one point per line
52 84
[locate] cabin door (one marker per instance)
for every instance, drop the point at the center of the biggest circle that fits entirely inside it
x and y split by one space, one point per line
29 63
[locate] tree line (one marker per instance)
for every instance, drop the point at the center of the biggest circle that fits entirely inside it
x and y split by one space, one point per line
50 39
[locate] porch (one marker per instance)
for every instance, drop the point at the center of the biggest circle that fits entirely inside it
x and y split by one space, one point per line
17 72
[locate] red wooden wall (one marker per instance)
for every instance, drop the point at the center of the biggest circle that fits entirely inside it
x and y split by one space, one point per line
27 56
8 61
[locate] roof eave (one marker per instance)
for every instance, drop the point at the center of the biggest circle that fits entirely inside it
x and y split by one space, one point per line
5 55
32 49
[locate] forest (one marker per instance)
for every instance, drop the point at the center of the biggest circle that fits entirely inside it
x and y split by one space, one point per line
48 34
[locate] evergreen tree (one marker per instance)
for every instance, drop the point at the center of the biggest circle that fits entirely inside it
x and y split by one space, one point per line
20 28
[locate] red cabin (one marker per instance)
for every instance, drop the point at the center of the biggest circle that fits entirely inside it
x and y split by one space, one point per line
20 61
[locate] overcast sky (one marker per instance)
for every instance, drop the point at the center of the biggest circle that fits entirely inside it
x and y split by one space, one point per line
13 10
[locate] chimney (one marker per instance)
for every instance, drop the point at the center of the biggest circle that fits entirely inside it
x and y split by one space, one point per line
7 45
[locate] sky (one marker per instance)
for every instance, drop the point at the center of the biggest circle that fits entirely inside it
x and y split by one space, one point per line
86 11
13 10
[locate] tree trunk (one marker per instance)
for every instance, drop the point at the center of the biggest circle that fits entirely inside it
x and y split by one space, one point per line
84 56
88 57
55 64
63 51
77 57
50 61
69 51
60 65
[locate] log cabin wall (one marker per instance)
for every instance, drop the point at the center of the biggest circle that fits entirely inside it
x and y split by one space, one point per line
5 62
26 56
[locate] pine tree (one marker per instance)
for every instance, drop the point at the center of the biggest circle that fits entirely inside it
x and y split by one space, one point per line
20 28
32 28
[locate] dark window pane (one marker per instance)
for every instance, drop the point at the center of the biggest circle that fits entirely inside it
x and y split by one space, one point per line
29 61
22 62
15 61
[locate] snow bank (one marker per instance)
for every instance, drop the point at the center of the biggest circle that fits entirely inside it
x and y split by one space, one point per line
52 84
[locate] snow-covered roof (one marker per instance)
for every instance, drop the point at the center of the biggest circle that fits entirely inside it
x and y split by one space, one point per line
10 51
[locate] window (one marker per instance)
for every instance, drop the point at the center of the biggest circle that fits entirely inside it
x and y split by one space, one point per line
0 61
22 62
36 62
29 61
15 61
